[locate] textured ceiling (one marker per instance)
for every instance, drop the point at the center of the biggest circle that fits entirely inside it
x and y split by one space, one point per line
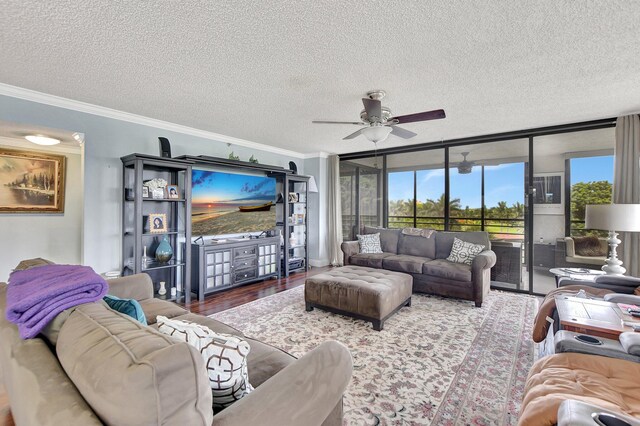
262 71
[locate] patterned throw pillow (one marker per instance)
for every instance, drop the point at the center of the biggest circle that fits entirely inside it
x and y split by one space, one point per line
225 357
464 252
369 243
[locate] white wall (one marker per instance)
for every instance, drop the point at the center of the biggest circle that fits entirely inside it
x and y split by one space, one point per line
108 139
57 237
548 226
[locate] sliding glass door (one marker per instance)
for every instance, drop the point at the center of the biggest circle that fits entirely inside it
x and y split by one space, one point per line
571 170
487 193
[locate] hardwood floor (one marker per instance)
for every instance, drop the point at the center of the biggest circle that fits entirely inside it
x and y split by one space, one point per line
240 295
212 304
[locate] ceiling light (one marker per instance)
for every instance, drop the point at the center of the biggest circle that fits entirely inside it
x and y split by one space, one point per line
42 140
376 133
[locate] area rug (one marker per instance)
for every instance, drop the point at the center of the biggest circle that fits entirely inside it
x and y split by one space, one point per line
440 362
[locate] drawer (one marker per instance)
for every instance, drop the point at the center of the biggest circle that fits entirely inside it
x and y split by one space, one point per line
244 251
246 262
248 274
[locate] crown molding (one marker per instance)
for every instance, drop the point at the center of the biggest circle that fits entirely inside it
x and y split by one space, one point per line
58 101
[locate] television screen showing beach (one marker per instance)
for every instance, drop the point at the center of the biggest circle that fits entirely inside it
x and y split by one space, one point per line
228 203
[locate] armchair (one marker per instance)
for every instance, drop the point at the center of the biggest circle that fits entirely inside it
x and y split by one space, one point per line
566 256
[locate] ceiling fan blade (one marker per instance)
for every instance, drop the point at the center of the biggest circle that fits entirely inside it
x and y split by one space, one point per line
373 108
357 123
352 135
402 133
421 116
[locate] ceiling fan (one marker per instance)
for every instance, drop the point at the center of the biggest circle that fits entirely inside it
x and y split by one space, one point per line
465 166
379 122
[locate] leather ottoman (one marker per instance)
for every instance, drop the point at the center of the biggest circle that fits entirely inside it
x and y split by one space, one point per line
359 292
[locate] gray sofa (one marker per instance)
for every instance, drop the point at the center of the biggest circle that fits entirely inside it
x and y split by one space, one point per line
425 259
107 368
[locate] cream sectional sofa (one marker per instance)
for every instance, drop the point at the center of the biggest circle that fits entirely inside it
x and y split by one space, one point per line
107 368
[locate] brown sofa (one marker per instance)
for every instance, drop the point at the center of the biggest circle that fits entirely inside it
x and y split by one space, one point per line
425 260
103 367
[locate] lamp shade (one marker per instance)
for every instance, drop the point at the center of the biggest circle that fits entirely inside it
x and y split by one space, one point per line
376 133
613 217
313 187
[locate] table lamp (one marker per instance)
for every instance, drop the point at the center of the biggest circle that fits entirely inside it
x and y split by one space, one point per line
607 217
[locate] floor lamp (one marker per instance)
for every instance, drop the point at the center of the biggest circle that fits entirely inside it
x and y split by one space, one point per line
607 217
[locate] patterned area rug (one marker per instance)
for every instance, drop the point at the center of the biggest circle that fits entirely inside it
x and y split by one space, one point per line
440 361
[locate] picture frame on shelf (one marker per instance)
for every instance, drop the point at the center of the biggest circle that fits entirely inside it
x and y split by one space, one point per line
158 223
173 192
157 193
294 197
145 191
298 218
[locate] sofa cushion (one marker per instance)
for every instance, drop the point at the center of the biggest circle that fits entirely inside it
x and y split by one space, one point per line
388 238
217 326
130 373
265 361
369 243
154 307
589 246
607 382
224 355
417 245
32 263
444 241
464 252
442 268
370 260
404 263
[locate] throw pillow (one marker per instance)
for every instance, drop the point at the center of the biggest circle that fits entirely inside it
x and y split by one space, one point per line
129 307
589 246
464 252
369 243
225 357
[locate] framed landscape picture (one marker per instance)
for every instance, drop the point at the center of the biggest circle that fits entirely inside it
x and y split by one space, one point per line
31 182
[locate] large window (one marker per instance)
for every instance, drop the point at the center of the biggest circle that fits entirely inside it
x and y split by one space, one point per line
528 193
416 190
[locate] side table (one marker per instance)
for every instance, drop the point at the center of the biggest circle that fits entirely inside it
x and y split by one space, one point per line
577 274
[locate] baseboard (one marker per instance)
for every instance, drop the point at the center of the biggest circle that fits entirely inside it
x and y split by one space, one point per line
318 262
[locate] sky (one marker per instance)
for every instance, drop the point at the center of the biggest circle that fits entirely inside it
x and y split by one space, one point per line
210 187
504 182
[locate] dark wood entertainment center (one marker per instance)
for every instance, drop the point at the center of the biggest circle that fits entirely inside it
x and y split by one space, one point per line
223 264
208 265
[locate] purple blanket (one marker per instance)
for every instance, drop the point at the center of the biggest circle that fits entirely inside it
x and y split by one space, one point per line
35 296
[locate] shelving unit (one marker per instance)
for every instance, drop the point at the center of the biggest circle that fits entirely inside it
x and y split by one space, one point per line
292 222
176 273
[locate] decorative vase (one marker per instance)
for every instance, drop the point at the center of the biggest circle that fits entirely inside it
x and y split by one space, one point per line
163 289
164 252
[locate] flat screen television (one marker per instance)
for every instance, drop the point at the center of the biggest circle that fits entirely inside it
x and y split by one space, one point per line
229 203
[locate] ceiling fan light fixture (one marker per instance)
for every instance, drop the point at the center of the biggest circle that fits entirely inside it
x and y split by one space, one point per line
42 140
376 133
